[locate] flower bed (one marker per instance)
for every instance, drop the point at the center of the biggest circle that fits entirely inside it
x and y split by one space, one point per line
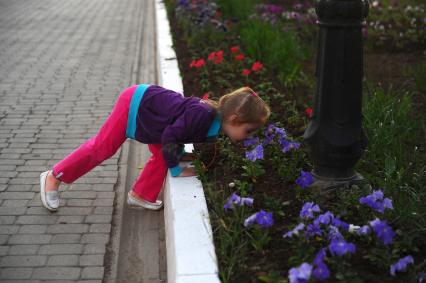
268 224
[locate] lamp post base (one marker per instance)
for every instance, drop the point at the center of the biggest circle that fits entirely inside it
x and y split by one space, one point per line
328 185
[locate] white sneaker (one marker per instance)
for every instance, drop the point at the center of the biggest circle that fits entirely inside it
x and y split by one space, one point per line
138 203
49 199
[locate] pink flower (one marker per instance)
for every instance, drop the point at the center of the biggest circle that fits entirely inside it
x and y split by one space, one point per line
200 63
197 63
216 57
205 96
235 49
257 66
246 72
211 56
239 57
308 112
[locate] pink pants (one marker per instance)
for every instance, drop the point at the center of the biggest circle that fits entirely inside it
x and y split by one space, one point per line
105 144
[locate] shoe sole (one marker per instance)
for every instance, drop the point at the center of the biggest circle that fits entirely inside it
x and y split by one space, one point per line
137 204
43 177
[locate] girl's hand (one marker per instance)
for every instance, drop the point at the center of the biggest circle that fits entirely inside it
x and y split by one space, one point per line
187 172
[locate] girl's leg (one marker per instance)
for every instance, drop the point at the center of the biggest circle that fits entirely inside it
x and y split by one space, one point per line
150 182
101 146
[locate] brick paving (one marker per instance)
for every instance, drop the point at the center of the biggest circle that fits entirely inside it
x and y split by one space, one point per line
62 65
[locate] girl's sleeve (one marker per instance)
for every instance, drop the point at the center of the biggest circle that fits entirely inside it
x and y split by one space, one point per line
193 122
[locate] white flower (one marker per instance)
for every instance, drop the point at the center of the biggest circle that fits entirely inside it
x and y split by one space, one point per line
231 185
353 228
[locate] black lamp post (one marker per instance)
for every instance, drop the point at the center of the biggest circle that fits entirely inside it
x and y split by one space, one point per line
334 137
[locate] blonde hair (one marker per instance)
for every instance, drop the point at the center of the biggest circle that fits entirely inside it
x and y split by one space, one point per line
245 103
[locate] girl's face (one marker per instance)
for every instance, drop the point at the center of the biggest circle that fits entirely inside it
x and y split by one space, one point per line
238 132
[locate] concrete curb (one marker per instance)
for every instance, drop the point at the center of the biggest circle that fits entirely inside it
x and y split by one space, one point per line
191 255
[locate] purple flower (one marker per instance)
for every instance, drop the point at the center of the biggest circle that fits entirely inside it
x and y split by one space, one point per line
387 203
376 201
286 145
325 218
340 223
263 218
275 9
383 231
269 8
422 275
236 199
295 231
300 274
183 3
321 271
250 220
334 233
341 247
246 201
251 141
364 230
305 179
271 132
256 153
401 265
281 132
294 15
320 256
313 230
308 210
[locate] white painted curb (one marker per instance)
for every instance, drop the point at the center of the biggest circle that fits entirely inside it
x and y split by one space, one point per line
191 256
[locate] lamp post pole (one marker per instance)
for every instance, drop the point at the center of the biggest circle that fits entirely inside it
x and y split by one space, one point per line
334 137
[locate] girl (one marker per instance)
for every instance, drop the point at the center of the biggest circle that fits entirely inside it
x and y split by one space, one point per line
164 120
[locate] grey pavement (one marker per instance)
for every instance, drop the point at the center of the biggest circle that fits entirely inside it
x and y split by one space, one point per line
62 66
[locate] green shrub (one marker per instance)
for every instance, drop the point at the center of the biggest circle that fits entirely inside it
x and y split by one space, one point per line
280 51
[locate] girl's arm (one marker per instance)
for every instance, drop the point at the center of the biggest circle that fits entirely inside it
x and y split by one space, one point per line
184 129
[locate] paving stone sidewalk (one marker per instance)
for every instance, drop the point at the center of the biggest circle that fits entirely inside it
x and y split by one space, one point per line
62 66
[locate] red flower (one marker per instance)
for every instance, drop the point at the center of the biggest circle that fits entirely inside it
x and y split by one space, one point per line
257 66
205 96
239 57
308 112
218 60
200 63
211 56
197 63
217 57
246 72
235 49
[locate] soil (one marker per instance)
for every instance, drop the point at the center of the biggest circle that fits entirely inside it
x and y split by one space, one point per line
390 69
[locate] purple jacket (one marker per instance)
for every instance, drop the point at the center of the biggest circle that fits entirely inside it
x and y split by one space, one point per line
166 117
